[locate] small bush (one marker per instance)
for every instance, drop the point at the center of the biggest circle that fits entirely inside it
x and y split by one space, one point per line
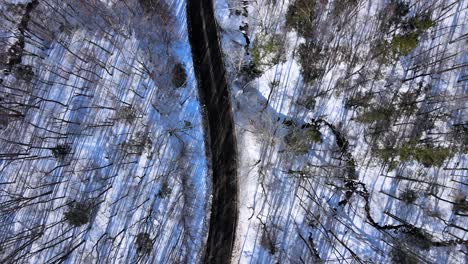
148 4
408 103
268 51
78 214
144 244
386 154
340 6
153 6
300 16
61 151
310 57
378 113
400 8
24 72
419 23
393 165
459 133
393 14
15 53
382 51
426 155
187 124
404 44
268 243
179 76
127 114
138 144
296 142
460 204
418 237
251 70
312 133
359 100
165 191
400 255
409 196
300 140
308 102
4 120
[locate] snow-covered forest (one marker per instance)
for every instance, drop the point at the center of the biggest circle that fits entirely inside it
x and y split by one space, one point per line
102 154
351 121
332 132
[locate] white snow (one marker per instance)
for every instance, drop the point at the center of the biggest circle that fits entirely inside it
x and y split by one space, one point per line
282 192
131 131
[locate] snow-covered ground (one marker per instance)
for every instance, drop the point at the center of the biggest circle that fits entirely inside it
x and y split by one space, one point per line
90 116
297 207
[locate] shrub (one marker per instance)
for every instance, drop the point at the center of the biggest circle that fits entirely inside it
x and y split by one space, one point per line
400 255
308 102
268 51
382 51
340 6
378 113
400 8
61 151
393 14
408 196
179 76
144 243
419 23
408 103
296 142
460 204
300 16
310 57
459 133
187 124
392 165
24 72
426 155
404 44
165 191
151 6
359 100
267 242
15 53
127 114
138 143
78 214
312 133
251 70
300 140
4 120
386 154
418 237
148 4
